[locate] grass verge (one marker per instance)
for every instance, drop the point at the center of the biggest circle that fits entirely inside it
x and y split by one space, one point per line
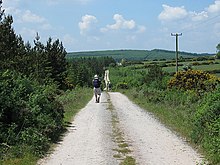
74 100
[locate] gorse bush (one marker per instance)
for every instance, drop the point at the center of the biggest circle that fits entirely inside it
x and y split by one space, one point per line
30 114
195 80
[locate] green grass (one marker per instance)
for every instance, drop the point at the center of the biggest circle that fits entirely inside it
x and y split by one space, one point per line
74 100
28 159
128 161
209 68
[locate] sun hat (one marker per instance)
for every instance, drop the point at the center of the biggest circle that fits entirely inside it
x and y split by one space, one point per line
96 76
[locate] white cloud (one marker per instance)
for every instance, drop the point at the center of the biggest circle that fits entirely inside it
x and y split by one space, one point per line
172 13
28 16
198 16
7 3
13 11
25 16
86 23
214 8
120 23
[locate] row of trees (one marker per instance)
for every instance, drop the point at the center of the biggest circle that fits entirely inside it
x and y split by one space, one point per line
42 62
82 70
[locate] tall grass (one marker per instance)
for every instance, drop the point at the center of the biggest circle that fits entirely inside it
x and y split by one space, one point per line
74 100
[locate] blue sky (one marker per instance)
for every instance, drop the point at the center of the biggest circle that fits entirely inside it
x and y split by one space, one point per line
84 25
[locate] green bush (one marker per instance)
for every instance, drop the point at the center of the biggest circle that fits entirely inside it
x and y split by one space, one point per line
30 114
207 125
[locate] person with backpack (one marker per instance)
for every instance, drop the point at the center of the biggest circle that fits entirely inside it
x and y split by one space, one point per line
97 88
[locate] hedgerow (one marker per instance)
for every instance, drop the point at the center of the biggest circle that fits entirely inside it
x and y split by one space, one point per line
207 125
30 115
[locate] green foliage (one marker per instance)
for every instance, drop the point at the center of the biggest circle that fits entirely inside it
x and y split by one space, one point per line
121 85
195 80
10 48
74 100
82 70
125 77
30 114
56 57
207 125
218 53
155 75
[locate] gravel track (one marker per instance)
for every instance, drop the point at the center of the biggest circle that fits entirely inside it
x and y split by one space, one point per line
153 144
90 139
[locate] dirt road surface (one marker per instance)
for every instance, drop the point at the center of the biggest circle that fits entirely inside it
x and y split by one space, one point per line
116 130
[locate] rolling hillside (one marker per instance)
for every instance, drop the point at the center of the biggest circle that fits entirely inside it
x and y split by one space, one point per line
135 54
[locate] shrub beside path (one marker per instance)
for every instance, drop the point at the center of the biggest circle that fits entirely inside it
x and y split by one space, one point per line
116 129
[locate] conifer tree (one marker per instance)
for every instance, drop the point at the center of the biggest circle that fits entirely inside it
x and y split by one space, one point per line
218 51
56 56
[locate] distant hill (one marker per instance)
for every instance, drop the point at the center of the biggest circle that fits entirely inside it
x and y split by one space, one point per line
135 54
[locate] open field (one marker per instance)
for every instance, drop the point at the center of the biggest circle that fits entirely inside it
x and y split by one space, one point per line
198 67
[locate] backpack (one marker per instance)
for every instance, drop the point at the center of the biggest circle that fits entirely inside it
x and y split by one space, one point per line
96 83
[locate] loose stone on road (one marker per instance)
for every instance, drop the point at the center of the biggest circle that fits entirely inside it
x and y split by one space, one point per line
116 129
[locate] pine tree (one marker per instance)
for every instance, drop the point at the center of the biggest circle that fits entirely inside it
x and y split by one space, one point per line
218 51
56 56
12 47
1 11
